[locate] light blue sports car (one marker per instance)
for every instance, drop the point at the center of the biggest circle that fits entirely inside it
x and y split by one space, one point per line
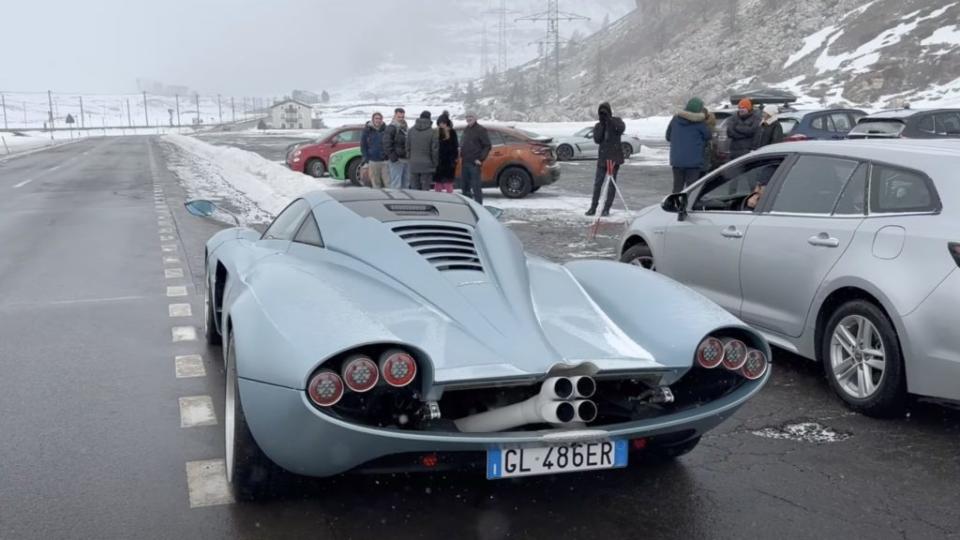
383 331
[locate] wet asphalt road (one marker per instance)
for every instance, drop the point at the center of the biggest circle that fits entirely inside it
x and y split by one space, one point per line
91 444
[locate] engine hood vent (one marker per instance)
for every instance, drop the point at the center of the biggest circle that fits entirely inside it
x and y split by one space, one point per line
447 247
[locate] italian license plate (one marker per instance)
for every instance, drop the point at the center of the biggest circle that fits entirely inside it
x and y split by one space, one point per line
556 459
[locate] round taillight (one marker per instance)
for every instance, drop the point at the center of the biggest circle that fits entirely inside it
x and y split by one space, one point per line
325 388
710 353
398 368
755 365
734 354
360 374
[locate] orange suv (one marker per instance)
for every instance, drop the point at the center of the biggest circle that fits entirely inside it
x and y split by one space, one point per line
519 163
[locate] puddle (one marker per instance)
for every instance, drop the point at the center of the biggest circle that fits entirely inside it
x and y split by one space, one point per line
810 432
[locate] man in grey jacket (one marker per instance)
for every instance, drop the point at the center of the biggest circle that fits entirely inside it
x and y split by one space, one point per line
395 146
423 152
474 149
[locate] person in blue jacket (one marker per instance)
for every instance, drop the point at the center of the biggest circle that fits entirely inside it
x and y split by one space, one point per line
371 147
688 136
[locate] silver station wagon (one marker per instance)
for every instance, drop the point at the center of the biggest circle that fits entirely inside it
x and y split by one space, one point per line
844 252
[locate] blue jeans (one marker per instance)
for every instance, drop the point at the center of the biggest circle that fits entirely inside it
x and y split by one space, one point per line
472 182
399 179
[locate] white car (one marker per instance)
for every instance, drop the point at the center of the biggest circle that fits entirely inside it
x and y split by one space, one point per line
580 145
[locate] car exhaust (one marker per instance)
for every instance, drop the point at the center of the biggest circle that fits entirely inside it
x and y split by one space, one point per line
583 387
547 407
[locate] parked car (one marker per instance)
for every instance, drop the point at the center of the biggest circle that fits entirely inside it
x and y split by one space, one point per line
909 124
849 258
314 158
580 145
345 165
460 352
824 124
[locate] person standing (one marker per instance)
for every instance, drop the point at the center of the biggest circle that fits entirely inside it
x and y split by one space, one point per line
475 149
371 147
744 130
423 149
607 133
688 136
772 129
395 146
448 153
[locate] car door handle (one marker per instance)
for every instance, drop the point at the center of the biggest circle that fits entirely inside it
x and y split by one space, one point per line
732 232
823 240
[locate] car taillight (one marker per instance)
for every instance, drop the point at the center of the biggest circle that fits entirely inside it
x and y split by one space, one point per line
734 354
755 365
954 248
325 388
542 151
710 353
360 374
398 368
795 138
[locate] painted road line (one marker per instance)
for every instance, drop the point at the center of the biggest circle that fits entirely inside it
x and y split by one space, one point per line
173 273
169 248
171 260
207 483
189 366
21 184
183 333
166 238
166 230
175 291
197 411
180 310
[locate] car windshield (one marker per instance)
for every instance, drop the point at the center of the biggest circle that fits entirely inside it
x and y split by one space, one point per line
788 124
884 127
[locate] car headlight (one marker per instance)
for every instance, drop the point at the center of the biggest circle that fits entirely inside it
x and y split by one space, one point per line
297 153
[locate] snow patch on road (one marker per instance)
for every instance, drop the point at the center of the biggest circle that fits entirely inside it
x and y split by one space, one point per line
255 187
811 432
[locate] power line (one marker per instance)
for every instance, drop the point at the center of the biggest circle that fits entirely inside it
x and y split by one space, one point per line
553 16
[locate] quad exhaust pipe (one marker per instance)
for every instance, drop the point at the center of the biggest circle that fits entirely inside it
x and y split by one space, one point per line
561 401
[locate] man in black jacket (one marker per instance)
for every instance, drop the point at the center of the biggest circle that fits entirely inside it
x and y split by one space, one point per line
395 146
607 134
744 130
474 149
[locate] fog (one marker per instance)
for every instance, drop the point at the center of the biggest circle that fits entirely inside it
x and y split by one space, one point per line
247 47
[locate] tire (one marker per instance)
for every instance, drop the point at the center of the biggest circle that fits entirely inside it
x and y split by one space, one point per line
639 255
564 152
210 332
250 473
627 150
871 383
515 183
353 172
315 168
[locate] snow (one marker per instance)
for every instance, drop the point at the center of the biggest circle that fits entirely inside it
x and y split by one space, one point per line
948 35
256 187
811 43
811 432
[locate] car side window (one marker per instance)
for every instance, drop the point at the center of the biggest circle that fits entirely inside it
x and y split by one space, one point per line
823 123
841 122
853 200
813 185
285 226
727 190
496 138
894 190
349 136
309 232
948 123
926 124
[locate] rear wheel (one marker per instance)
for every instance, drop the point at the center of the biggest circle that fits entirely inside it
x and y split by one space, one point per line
316 168
627 150
353 172
861 356
210 331
250 473
639 255
564 152
515 183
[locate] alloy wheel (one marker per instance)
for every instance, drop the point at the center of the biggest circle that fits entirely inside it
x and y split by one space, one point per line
857 356
645 261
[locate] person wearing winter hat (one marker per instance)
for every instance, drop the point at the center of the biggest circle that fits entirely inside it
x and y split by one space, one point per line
688 136
743 129
422 152
448 155
772 129
607 133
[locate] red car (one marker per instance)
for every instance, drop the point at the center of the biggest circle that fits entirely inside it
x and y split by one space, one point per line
313 158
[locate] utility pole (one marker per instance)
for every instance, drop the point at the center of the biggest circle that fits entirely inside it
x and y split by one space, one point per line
484 54
219 108
3 104
553 16
24 114
502 28
129 118
146 116
178 109
50 111
197 99
83 121
233 109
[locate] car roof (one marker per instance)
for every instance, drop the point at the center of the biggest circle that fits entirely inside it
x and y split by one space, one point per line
801 113
906 113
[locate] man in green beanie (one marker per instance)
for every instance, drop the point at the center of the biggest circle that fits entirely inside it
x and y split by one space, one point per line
688 136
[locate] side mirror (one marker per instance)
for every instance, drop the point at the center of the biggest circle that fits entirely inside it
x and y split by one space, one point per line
208 209
676 203
496 212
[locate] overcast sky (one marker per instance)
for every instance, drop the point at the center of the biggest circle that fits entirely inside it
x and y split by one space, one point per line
241 47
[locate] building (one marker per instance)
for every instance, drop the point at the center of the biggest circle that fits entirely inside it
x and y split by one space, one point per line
291 114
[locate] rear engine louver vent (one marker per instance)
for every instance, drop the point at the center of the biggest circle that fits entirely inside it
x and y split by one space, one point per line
444 246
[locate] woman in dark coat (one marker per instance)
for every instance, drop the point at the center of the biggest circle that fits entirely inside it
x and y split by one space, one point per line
449 152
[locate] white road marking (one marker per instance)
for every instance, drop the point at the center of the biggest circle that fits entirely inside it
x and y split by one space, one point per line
207 483
166 230
173 273
189 366
180 310
183 333
18 305
171 260
176 291
55 167
170 248
21 184
166 238
197 411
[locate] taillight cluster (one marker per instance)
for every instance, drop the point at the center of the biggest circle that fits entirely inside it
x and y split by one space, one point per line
361 374
734 355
